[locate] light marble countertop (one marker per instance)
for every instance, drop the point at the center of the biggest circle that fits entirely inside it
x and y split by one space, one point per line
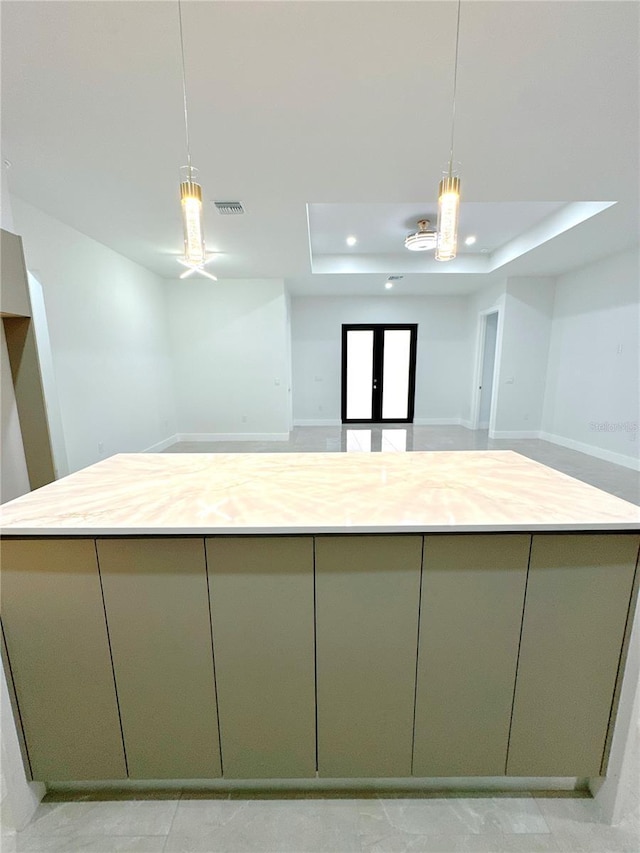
279 493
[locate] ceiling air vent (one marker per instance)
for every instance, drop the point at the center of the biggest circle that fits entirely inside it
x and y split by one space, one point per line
229 208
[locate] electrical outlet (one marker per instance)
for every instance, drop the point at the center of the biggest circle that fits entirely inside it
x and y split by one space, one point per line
244 419
100 447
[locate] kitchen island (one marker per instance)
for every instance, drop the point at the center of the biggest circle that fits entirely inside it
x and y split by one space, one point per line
248 616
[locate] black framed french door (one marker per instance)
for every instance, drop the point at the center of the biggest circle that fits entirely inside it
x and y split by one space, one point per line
378 372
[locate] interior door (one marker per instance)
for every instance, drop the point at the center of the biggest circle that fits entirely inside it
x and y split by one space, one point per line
378 373
488 369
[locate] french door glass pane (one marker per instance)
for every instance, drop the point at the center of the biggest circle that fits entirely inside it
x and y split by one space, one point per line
359 373
395 382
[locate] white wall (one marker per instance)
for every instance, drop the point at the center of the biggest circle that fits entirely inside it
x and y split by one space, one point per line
443 355
230 357
592 399
107 324
526 331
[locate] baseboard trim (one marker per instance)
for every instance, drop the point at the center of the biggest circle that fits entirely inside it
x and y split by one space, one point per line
161 445
304 422
440 422
345 786
232 436
590 450
514 433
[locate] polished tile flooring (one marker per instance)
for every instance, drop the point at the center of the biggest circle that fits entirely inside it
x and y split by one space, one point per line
202 822
620 481
184 823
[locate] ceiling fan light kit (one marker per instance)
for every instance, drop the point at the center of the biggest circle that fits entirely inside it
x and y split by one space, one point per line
423 239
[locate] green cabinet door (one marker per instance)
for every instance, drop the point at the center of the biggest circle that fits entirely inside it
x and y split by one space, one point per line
56 636
262 614
470 616
155 593
575 614
367 600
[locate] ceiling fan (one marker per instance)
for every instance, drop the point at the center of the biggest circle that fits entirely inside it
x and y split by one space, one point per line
423 239
196 268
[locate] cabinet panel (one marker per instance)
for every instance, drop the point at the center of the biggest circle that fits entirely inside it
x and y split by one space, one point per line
53 618
155 594
262 610
576 607
470 616
367 598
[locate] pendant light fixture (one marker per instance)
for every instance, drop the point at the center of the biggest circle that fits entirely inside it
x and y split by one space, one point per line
195 253
449 189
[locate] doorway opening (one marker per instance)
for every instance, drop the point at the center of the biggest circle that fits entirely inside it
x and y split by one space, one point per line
487 370
378 373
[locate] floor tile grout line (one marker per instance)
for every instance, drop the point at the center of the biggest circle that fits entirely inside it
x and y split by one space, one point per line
173 818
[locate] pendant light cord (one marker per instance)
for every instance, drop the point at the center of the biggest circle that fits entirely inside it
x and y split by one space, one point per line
455 85
184 92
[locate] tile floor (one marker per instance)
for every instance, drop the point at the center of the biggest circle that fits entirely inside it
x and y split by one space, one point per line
522 823
620 481
189 822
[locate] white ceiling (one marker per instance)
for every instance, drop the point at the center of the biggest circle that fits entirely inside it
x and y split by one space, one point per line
341 104
382 228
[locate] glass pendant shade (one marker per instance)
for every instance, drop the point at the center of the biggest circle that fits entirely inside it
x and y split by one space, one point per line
448 214
191 203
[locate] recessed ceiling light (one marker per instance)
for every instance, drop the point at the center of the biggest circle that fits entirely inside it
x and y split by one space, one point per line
351 240
388 285
470 240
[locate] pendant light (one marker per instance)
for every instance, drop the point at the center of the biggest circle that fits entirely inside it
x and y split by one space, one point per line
195 253
449 189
